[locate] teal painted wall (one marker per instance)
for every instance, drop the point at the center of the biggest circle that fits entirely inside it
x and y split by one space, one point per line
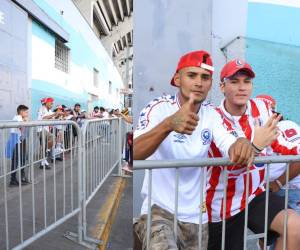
273 49
81 54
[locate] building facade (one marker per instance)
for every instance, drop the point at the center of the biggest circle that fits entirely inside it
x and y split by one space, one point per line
48 49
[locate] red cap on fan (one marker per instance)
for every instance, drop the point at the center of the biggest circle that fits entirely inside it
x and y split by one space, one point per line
233 67
48 99
199 58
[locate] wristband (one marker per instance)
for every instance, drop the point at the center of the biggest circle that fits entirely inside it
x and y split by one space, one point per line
279 183
257 150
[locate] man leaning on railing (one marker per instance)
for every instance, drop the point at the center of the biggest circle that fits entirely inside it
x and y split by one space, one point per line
182 127
16 147
242 117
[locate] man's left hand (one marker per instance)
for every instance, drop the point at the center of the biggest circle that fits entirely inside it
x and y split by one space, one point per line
241 152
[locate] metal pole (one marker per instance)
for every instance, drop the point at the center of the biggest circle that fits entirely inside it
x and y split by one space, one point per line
246 206
176 202
224 207
81 182
285 206
120 145
149 208
267 207
201 206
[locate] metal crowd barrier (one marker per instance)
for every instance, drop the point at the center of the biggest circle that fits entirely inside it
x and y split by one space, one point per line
150 165
101 154
81 159
51 197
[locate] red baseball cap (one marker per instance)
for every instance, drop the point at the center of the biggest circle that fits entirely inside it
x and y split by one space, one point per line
199 58
48 99
234 66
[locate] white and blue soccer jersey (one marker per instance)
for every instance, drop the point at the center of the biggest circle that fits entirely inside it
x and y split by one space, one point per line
181 146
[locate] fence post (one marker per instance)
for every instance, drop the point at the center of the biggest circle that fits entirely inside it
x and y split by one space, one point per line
120 146
80 184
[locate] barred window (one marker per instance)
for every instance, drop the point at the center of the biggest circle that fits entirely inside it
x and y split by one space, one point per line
61 56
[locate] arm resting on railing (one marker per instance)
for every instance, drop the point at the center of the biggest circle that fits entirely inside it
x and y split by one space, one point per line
146 144
294 170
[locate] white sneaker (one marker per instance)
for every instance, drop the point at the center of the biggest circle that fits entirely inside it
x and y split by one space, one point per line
61 149
45 163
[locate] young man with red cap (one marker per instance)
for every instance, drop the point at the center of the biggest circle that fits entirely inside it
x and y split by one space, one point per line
182 127
241 116
46 137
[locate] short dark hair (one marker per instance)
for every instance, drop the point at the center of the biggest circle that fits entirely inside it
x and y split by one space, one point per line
96 107
77 105
102 109
21 108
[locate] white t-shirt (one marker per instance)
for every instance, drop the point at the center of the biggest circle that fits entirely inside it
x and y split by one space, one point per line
181 146
291 132
18 131
105 114
43 111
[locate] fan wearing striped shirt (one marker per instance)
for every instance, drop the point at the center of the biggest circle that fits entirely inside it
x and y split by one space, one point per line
242 117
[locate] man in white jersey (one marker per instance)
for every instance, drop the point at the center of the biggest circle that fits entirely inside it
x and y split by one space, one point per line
183 127
241 116
291 131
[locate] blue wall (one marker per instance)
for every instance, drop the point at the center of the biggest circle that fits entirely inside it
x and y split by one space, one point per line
273 49
81 54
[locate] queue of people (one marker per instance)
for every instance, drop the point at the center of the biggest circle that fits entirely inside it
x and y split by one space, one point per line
53 140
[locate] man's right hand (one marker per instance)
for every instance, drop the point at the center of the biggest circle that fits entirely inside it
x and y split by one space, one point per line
185 120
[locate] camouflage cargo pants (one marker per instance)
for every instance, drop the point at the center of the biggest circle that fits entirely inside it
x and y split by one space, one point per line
162 233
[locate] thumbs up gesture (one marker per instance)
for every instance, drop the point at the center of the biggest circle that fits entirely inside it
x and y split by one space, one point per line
185 120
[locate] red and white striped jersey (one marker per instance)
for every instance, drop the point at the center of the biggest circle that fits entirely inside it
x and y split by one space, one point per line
257 113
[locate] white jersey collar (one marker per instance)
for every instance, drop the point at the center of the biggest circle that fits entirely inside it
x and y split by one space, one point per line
231 117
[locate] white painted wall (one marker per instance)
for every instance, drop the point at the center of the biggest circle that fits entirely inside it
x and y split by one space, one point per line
229 20
166 29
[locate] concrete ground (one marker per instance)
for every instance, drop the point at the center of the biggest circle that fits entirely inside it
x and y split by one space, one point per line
121 237
54 203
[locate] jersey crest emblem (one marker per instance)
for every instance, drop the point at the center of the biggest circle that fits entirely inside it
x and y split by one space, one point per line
206 136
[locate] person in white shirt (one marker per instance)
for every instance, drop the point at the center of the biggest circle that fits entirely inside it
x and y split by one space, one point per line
182 127
96 113
291 132
19 147
79 115
45 133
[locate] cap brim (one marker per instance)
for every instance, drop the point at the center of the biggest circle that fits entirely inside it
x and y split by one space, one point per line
234 71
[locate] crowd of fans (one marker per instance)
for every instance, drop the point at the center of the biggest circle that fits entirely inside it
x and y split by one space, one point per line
54 140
